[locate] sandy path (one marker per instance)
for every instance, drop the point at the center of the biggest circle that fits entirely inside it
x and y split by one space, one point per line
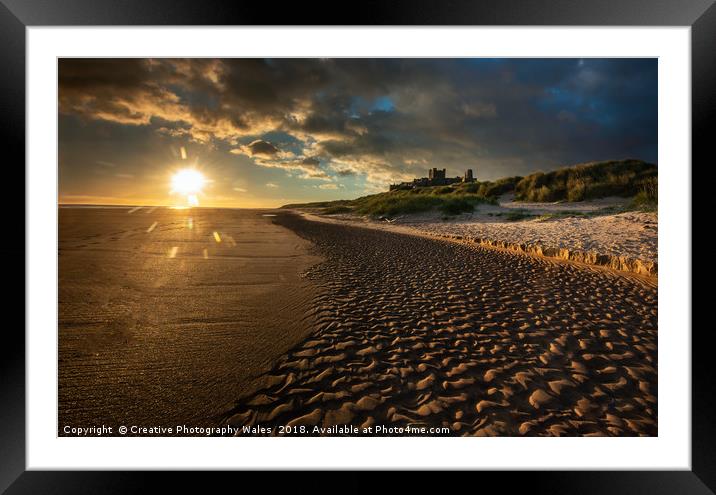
165 316
414 331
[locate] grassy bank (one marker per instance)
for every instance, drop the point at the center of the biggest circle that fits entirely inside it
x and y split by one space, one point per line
450 200
625 178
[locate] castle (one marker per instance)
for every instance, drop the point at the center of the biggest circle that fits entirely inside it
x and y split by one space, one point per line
436 177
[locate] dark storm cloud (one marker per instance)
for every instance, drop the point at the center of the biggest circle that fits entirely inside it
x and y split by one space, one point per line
311 162
259 147
385 118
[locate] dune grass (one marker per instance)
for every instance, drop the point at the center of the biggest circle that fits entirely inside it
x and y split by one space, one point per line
333 210
453 202
647 197
624 178
517 215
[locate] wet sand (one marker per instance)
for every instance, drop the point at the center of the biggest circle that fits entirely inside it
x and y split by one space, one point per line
416 331
166 316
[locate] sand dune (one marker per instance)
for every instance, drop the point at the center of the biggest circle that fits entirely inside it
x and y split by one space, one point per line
415 331
597 233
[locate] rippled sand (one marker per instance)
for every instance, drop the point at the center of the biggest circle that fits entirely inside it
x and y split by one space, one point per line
415 331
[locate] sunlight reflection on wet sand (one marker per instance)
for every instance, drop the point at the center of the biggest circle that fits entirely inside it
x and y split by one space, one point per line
172 325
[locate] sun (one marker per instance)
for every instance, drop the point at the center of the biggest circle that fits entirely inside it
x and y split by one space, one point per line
188 182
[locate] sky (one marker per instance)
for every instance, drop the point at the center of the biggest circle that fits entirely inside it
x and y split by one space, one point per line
266 132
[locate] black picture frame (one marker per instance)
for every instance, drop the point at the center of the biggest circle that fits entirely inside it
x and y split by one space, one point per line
17 15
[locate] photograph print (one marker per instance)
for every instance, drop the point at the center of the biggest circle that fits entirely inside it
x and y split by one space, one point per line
368 247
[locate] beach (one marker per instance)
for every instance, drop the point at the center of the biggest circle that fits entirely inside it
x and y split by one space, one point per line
166 316
264 320
604 231
416 331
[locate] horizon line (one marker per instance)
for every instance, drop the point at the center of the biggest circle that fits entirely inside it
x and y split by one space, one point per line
178 207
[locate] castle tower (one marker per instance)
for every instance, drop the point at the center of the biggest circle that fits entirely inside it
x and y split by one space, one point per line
436 175
468 175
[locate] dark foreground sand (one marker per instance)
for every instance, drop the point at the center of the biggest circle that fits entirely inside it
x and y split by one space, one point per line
162 322
414 331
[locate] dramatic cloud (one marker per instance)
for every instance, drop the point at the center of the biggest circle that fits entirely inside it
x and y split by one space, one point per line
310 162
258 147
380 120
